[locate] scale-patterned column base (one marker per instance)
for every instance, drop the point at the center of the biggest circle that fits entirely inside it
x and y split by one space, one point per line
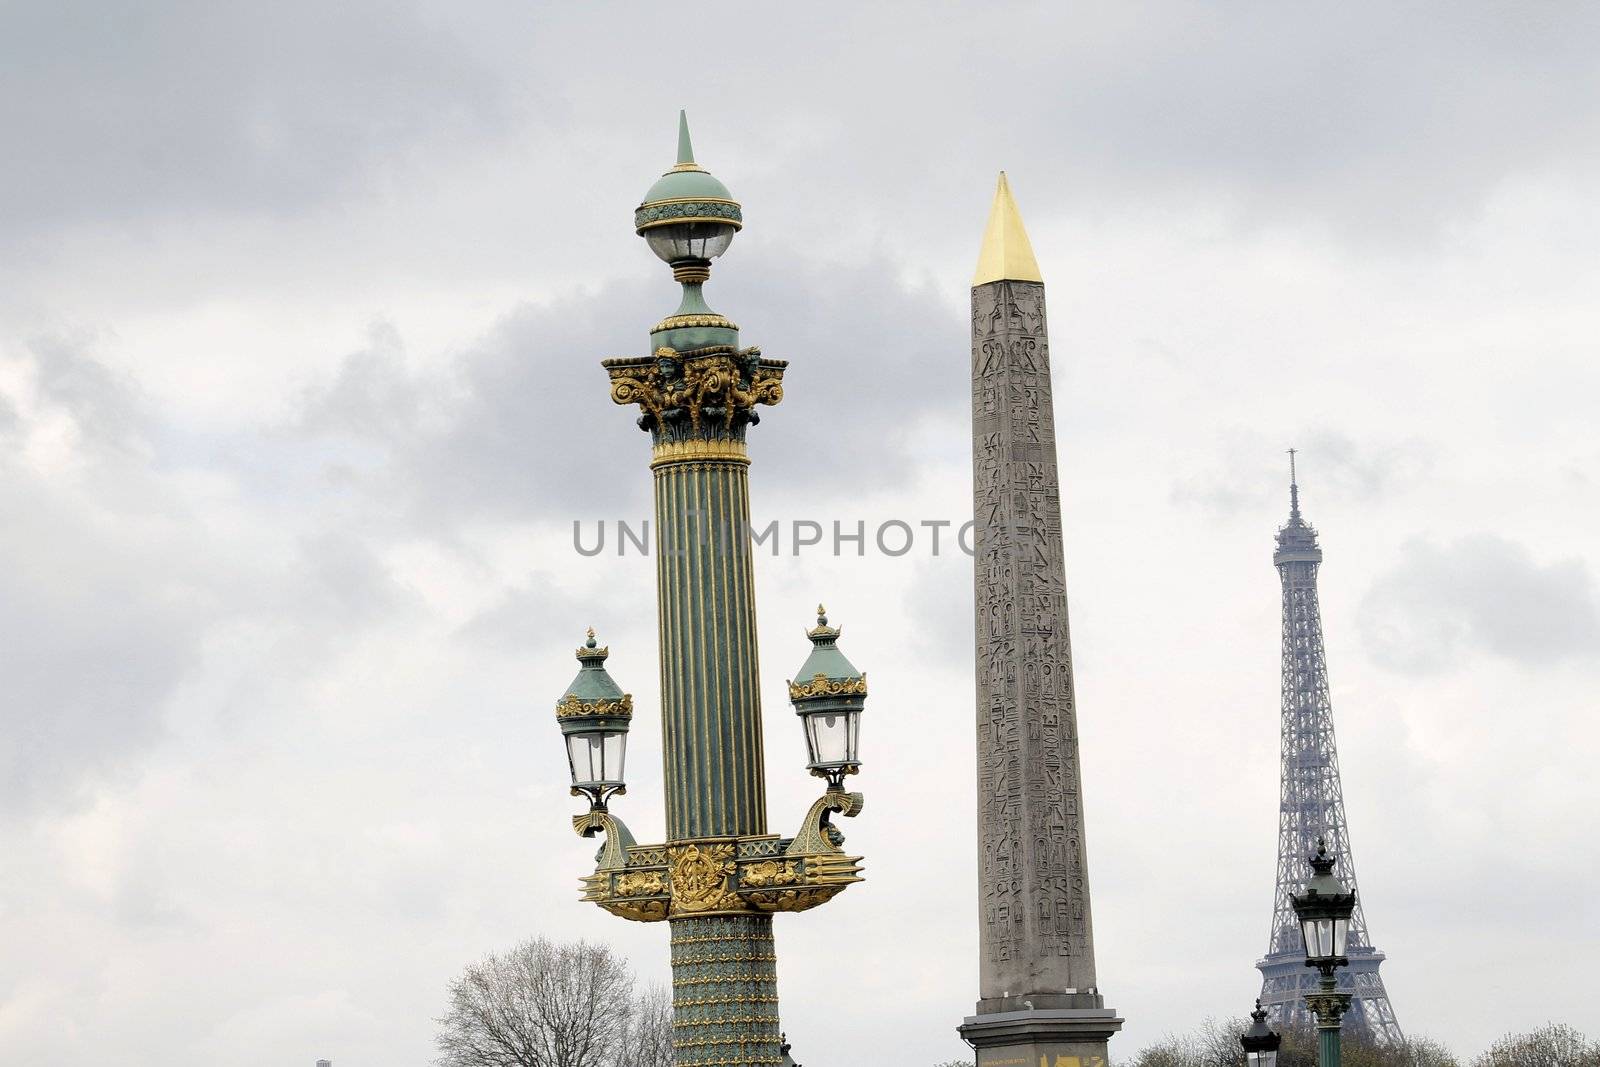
724 992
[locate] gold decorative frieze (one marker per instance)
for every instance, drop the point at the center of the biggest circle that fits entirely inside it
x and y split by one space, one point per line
571 706
821 685
680 322
770 872
698 450
721 876
640 884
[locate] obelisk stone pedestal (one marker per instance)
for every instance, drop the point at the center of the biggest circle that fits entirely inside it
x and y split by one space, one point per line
1043 1037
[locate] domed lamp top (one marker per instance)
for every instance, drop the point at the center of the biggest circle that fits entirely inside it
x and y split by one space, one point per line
593 695
687 213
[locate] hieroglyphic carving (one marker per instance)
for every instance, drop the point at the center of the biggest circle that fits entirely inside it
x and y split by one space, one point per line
1035 924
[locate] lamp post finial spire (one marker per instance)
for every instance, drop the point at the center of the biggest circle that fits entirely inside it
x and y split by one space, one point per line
685 146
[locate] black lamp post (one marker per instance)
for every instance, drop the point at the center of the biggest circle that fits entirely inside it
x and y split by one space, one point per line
1324 911
1260 1041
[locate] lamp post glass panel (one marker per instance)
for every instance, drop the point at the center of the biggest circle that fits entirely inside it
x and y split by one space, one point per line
681 241
1260 1042
1324 911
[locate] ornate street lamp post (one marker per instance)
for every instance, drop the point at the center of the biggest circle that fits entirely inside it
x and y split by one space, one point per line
719 876
1260 1042
1324 911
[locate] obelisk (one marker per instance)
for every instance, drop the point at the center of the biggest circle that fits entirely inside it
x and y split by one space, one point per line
1039 1003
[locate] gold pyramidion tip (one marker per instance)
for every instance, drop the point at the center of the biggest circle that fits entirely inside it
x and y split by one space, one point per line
1006 253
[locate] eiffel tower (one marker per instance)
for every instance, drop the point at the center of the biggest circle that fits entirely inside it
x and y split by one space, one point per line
1311 804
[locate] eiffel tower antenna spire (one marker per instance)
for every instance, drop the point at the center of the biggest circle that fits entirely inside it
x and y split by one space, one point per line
1294 489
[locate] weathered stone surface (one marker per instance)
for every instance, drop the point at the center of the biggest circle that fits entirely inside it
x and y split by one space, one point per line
1035 932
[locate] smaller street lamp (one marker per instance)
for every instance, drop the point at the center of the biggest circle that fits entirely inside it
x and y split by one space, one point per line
594 714
1260 1041
1324 911
828 694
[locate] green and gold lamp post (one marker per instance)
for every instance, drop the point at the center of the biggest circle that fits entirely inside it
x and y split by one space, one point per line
719 877
1324 911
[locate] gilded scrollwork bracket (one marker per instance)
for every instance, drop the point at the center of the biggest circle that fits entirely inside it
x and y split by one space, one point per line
722 876
613 854
817 834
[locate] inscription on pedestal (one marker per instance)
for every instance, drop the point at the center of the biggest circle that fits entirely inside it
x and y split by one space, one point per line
1036 1056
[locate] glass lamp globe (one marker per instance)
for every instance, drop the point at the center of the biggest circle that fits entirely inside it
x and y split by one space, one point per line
696 240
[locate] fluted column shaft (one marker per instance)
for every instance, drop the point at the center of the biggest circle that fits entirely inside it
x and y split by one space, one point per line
710 699
724 966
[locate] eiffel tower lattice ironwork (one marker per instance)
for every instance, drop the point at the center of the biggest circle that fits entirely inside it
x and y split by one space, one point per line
1311 803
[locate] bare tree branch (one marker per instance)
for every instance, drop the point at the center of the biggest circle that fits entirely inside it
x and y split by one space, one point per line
541 1004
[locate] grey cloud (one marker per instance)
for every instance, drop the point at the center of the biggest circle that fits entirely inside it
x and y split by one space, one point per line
1481 594
1254 471
533 613
940 606
1382 120
522 426
112 586
96 625
93 642
340 578
114 111
105 405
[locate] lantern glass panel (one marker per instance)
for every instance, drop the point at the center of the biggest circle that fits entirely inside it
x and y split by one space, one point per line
690 240
583 752
614 751
830 736
1262 1058
597 757
1319 937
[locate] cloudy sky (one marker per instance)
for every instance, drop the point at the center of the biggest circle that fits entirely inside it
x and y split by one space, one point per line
301 312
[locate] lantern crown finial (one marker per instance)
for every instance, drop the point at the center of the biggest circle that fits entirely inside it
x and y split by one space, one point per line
1322 863
591 655
822 630
1260 1042
826 673
1324 883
